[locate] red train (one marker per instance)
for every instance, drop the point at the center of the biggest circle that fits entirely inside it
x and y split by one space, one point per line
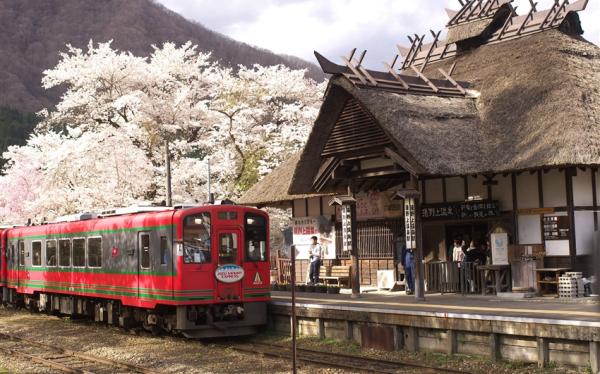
201 271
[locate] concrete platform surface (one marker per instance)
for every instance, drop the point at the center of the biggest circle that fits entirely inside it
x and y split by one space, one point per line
538 310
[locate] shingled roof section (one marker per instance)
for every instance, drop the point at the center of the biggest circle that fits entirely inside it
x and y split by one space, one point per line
538 106
273 188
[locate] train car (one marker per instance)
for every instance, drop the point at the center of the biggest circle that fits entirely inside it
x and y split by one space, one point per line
201 271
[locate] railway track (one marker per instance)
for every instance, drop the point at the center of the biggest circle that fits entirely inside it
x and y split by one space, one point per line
64 360
338 360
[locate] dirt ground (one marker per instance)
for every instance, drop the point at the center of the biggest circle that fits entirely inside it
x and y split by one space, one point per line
178 355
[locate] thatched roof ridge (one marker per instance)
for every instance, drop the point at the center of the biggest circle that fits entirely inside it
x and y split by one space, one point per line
273 188
539 106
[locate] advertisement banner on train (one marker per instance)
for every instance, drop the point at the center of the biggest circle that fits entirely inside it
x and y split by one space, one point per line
305 228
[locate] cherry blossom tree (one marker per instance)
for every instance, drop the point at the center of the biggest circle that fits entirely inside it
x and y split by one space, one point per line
105 143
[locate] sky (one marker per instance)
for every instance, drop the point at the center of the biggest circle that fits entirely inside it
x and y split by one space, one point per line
334 27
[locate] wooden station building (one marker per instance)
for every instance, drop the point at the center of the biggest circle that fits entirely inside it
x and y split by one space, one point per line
498 125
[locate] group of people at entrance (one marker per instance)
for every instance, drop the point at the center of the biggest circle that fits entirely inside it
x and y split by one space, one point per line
472 253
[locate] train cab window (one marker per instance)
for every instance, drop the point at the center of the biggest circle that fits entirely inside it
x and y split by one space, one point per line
256 238
64 252
145 251
36 254
228 248
50 252
196 239
163 250
21 253
95 252
79 253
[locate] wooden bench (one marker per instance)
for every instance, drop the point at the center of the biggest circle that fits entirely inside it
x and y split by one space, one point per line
340 274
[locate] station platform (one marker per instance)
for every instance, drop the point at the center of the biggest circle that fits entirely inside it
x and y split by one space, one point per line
554 310
542 330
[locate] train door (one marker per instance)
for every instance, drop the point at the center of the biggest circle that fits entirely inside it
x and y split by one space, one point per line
144 279
229 273
20 260
154 274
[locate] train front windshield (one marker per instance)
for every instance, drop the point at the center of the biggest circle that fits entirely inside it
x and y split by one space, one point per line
196 239
256 237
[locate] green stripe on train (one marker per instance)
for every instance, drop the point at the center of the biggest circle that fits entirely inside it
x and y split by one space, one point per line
157 290
107 292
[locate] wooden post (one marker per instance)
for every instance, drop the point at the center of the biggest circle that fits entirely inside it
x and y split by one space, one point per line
349 330
168 173
321 327
495 352
452 343
398 338
595 357
411 341
543 352
569 172
419 266
293 282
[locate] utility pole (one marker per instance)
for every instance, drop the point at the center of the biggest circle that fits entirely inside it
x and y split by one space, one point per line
168 171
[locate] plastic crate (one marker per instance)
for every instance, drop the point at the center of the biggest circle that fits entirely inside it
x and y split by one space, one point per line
574 274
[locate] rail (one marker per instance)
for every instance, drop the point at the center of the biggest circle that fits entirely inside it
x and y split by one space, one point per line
64 360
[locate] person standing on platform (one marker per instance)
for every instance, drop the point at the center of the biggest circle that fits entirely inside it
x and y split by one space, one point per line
314 252
408 263
457 252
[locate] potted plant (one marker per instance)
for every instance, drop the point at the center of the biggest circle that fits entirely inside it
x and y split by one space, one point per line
310 288
301 288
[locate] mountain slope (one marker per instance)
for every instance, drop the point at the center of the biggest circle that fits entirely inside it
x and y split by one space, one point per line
32 32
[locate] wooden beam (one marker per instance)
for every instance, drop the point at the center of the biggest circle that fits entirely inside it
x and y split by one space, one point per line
400 160
451 80
424 78
515 206
390 69
571 215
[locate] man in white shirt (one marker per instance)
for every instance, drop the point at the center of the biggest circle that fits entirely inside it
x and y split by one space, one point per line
314 252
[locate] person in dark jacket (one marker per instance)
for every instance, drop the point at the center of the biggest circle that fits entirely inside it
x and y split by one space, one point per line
408 263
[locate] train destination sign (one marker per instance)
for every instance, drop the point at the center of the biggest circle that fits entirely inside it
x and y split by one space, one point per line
229 273
461 210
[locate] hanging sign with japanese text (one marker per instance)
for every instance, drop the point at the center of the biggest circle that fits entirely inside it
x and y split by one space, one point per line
461 210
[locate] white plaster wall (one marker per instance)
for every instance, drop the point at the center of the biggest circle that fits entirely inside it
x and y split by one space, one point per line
503 192
455 190
476 187
527 192
584 232
555 193
582 188
300 208
434 191
530 229
314 207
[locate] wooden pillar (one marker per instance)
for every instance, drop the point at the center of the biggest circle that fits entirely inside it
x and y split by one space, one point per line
398 338
321 328
595 357
349 330
569 172
411 339
452 342
595 198
419 266
495 352
543 352
513 178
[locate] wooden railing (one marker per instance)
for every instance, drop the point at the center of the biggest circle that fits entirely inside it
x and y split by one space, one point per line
452 277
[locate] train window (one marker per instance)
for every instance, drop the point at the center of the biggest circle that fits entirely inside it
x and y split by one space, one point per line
196 239
228 248
227 215
95 252
79 253
64 252
145 251
256 238
163 250
50 252
21 253
36 254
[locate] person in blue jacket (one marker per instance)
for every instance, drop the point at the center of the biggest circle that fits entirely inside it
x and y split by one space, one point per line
408 263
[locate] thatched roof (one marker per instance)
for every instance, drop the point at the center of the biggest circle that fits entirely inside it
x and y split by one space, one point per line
273 188
538 107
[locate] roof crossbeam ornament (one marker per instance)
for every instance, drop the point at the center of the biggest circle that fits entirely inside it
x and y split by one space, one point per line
436 38
448 76
356 67
472 10
528 17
